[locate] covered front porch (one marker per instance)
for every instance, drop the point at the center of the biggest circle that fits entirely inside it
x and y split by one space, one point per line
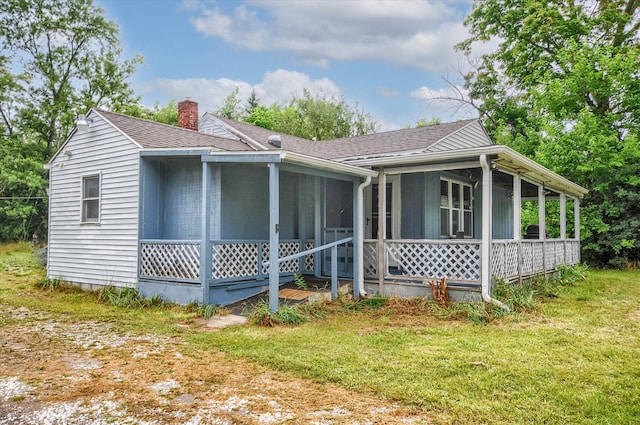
482 215
220 227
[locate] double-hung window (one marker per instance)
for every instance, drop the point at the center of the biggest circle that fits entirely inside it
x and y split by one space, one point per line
456 209
91 199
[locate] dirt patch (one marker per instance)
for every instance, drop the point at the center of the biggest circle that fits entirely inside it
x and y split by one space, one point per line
62 372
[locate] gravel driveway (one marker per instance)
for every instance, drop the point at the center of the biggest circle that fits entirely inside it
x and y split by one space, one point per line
57 371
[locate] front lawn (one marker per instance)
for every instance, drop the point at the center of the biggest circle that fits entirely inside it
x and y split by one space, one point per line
572 360
575 359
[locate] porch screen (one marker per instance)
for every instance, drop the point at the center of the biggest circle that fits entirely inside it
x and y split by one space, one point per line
456 215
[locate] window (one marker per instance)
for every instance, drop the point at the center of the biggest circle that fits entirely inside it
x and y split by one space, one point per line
456 208
91 199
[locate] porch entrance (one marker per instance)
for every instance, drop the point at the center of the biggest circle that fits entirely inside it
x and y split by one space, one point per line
392 215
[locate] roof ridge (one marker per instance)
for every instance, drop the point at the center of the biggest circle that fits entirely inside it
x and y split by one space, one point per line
147 121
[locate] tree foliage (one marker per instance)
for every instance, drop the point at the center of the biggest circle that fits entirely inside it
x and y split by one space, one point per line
564 87
69 55
58 58
315 117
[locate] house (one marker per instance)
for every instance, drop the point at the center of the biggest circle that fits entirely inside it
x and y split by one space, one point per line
215 211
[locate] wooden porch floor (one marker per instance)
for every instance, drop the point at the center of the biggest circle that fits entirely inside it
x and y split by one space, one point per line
291 294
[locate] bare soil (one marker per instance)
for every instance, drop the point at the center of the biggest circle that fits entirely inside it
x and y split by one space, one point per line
57 371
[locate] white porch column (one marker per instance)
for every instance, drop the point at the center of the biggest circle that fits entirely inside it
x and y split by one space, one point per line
576 221
517 219
205 232
382 227
563 216
542 223
317 225
576 218
274 236
517 207
358 215
542 226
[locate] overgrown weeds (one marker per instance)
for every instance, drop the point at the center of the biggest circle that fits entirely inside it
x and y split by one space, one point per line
287 314
127 298
206 311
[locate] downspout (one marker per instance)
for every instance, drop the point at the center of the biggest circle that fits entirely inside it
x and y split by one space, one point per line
360 235
486 233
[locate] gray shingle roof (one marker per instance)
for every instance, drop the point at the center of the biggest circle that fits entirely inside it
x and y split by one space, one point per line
260 135
408 139
149 134
372 144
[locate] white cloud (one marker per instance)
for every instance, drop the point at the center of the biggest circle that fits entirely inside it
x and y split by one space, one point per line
387 92
407 33
276 86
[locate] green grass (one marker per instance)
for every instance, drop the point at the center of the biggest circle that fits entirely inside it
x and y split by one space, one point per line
571 358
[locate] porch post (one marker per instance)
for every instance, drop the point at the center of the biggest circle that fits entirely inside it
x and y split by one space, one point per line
517 219
317 226
274 239
563 226
205 243
542 226
563 216
487 189
517 206
382 228
576 223
358 217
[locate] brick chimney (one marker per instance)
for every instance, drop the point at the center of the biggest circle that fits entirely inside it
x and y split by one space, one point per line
188 114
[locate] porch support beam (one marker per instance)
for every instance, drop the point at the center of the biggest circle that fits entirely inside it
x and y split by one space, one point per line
299 169
274 236
358 216
317 224
517 207
382 227
563 216
576 218
433 167
542 219
486 230
225 157
205 243
485 254
517 219
542 226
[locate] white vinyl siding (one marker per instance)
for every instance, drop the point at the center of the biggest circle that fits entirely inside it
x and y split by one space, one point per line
106 252
470 136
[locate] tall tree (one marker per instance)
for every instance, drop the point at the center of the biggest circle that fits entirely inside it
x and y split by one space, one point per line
58 58
70 55
316 117
563 86
230 107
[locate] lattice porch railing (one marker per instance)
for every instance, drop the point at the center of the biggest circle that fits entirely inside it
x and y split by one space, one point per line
534 256
178 260
422 259
460 260
244 259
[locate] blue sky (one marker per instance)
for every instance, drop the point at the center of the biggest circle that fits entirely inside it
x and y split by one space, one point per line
385 55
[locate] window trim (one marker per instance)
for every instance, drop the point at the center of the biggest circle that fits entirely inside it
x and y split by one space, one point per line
84 199
460 210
